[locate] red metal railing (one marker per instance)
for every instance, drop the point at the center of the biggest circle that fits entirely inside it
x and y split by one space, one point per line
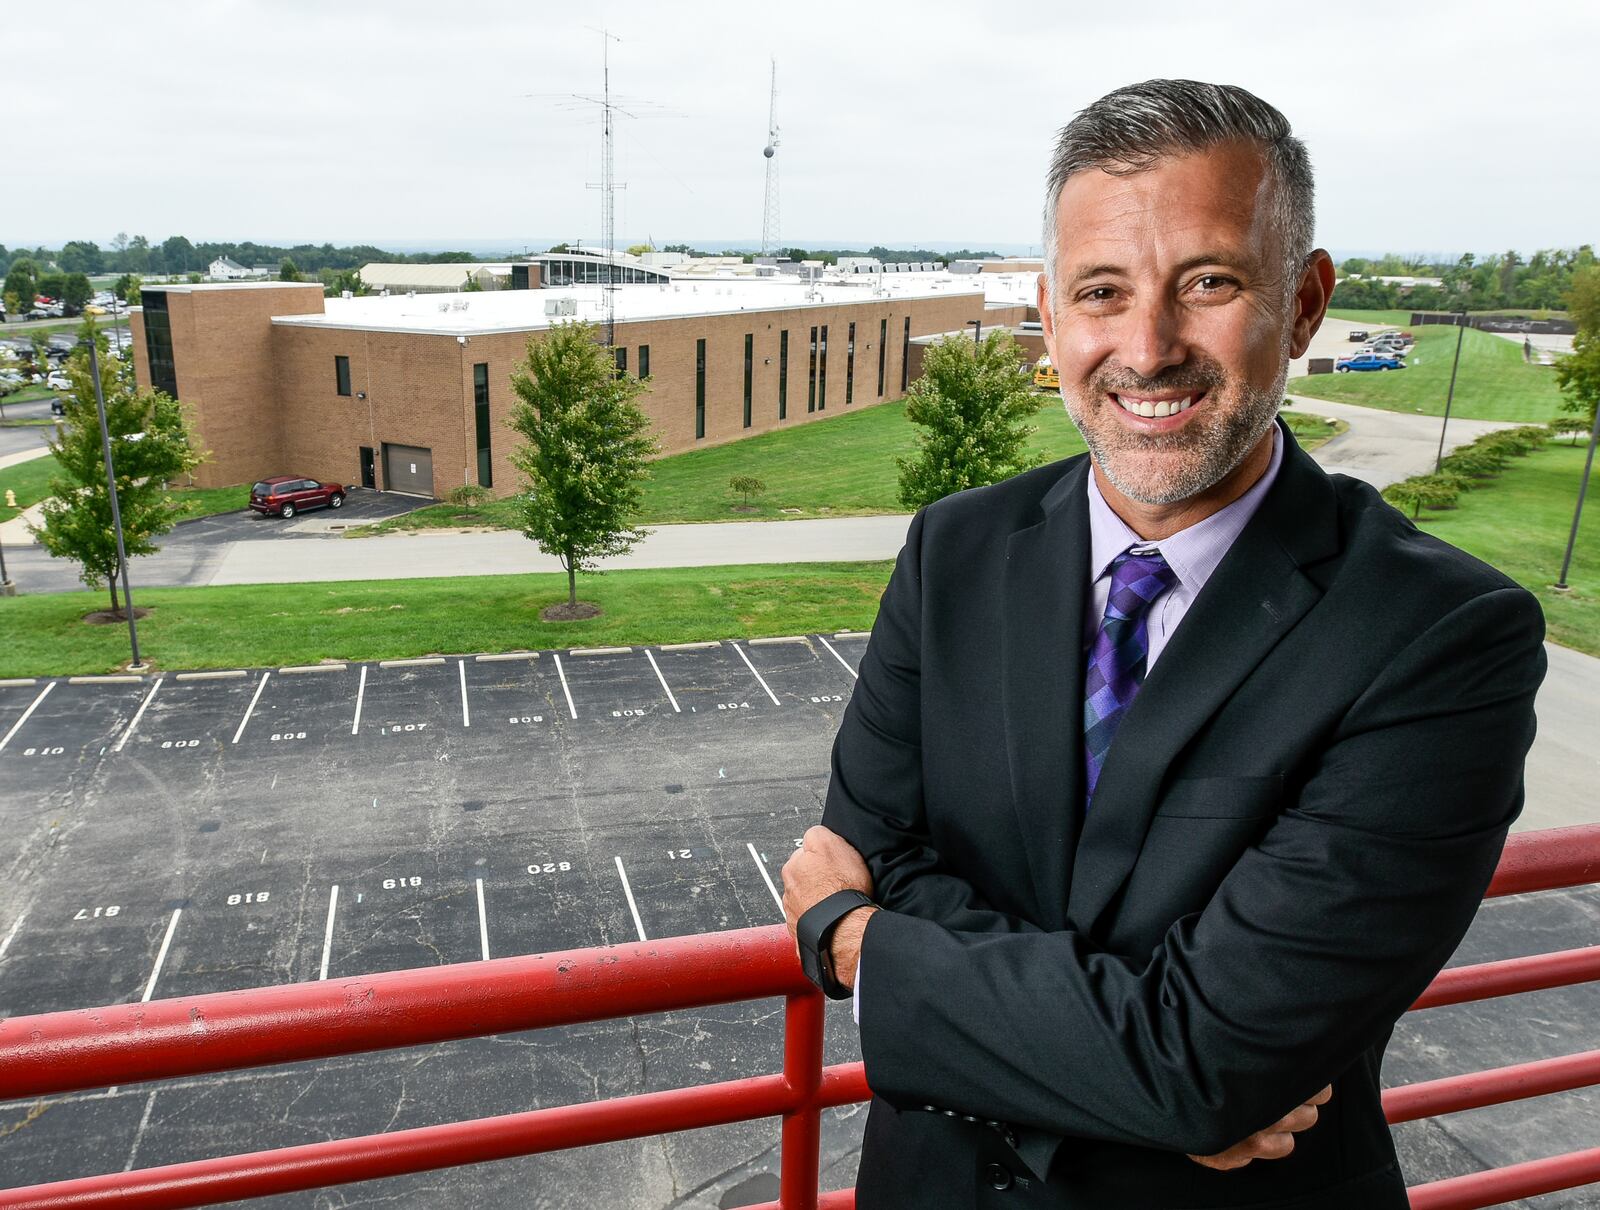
127 1043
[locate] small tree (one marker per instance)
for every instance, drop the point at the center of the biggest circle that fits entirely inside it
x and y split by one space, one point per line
971 402
150 443
586 452
747 486
1578 373
40 352
76 293
288 271
22 280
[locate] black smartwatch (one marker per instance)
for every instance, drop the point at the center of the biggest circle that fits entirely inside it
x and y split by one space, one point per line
814 931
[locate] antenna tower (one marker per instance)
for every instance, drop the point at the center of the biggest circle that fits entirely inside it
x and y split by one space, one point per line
608 205
769 217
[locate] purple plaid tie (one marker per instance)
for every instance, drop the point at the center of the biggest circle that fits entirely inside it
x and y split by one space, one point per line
1117 657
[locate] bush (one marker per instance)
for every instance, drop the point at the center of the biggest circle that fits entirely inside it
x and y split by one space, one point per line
1573 426
1476 461
1423 491
468 495
747 486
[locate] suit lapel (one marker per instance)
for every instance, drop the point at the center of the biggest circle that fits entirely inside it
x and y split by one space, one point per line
1045 588
1256 596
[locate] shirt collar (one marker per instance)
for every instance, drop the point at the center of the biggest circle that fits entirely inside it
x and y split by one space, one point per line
1192 553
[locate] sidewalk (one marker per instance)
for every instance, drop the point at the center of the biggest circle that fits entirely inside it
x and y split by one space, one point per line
825 540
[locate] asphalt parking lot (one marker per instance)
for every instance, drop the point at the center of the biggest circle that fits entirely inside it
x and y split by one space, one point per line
182 834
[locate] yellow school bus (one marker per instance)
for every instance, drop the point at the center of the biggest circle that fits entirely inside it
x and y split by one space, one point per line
1044 374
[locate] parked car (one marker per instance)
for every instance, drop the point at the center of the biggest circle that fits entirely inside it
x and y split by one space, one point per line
1357 336
1369 361
57 407
286 495
58 382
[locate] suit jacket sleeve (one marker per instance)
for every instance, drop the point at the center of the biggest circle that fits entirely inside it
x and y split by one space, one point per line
1315 943
880 745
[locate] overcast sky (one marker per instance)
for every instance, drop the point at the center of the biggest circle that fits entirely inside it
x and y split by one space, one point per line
419 123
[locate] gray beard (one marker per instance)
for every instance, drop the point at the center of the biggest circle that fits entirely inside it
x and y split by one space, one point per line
1217 452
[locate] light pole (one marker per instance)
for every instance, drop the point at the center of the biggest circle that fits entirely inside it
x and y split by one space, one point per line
1561 585
1461 330
116 512
977 335
7 588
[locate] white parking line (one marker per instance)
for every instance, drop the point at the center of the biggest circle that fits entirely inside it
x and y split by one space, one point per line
252 708
6 944
327 932
483 923
573 709
756 674
139 714
765 877
466 718
837 656
161 957
361 691
632 906
17 726
663 681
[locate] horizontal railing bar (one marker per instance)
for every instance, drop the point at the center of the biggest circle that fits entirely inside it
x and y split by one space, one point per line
423 1149
1509 976
1499 1185
1475 1089
227 1031
839 1199
1547 860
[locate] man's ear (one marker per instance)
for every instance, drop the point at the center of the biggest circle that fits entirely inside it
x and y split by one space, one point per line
1311 301
1047 318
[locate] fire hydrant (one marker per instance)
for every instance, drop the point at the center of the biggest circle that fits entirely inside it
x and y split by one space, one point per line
11 498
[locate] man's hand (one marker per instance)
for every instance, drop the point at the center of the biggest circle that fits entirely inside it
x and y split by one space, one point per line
824 863
1273 1143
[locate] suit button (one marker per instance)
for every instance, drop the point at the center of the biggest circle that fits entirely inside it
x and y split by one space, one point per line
998 1176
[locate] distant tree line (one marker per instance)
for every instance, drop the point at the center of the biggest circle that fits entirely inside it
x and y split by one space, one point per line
178 255
1499 281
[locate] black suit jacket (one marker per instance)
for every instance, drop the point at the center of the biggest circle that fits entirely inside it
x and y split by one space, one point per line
1289 837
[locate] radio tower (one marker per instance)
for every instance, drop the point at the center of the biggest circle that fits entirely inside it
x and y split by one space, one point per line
769 217
608 200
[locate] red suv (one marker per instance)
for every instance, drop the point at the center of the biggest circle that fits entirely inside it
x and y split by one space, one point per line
286 495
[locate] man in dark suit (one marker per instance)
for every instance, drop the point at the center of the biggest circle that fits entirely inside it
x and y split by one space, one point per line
1127 974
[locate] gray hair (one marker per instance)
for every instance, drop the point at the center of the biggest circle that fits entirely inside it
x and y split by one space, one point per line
1130 130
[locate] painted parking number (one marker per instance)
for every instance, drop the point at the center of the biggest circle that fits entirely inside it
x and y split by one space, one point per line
97 913
550 867
43 751
248 897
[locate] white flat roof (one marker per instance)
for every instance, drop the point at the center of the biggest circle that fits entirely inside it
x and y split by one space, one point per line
524 310
202 287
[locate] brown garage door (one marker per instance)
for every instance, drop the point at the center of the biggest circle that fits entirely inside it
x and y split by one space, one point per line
408 468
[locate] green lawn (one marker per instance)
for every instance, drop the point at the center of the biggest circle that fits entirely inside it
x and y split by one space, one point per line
1378 318
31 481
370 620
1520 522
1494 383
840 467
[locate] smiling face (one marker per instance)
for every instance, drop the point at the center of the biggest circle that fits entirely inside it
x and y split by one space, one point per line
1172 325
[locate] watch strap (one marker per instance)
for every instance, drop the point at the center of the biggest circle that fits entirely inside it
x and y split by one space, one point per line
813 931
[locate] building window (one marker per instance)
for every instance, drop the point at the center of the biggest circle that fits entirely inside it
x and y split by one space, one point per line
519 277
822 371
699 389
783 374
644 361
749 373
811 381
905 358
883 352
341 374
158 342
850 366
480 409
620 355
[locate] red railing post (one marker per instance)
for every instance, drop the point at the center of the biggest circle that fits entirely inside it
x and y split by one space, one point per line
802 1125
